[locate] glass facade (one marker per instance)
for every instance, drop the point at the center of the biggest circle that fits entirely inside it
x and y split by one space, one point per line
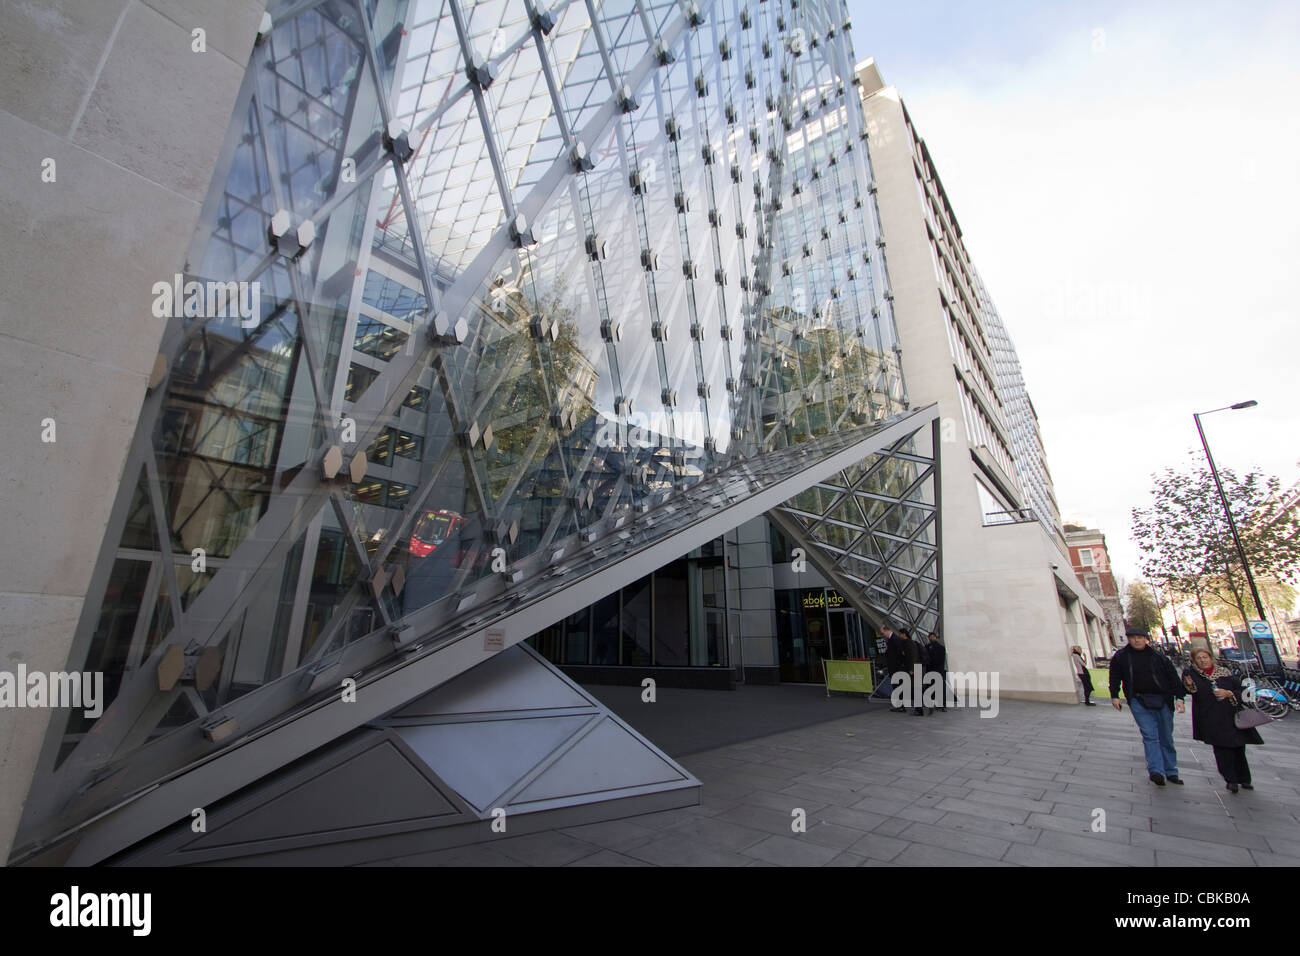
670 618
534 287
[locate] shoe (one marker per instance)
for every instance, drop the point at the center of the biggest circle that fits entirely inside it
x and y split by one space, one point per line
1247 786
1175 780
1232 787
1088 703
1157 778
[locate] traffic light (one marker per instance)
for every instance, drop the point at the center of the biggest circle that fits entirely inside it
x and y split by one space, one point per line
1174 630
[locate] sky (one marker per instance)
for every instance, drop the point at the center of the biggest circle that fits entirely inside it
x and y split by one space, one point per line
1127 180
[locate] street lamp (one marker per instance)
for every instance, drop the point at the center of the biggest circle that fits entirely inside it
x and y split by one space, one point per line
1232 525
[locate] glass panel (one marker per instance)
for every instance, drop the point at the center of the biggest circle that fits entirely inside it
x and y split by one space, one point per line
671 618
320 102
634 629
577 638
111 643
605 630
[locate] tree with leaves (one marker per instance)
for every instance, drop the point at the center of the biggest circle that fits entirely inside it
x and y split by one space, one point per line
1140 607
1187 546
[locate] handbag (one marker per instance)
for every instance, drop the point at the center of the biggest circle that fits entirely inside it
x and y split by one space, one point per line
1249 717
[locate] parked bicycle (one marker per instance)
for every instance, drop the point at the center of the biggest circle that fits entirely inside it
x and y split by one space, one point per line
1266 694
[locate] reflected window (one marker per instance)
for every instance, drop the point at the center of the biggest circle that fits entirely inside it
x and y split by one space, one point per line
418 399
391 296
377 338
407 445
398 494
359 379
381 449
372 492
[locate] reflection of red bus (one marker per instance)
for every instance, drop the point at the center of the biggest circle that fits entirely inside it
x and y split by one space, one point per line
433 529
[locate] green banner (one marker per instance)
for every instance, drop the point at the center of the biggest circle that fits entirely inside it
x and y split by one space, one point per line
1100 681
854 676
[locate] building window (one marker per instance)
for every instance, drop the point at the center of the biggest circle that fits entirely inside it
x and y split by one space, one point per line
381 449
406 445
1085 557
359 379
398 495
371 492
418 398
378 339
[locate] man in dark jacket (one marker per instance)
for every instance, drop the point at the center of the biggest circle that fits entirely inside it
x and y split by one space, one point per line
936 661
1150 683
915 667
895 658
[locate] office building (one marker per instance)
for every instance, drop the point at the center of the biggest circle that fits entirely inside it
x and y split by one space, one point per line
1011 601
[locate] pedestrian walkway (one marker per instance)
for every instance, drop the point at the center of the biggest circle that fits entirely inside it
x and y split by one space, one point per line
1026 788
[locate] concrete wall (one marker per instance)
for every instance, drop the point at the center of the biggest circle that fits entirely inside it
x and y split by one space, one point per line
753 570
132 117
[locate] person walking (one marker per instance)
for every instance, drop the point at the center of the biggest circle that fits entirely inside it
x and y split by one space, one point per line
895 660
915 667
936 662
1085 678
1150 684
1216 699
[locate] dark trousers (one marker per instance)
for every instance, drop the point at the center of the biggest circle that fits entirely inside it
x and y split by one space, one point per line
1086 679
1232 764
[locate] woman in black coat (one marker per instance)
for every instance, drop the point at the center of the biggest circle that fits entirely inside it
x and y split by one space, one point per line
1216 697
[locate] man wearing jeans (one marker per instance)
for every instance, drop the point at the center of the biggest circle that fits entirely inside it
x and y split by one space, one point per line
1150 684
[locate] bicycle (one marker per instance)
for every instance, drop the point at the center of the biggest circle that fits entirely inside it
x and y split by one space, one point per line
1262 692
1267 694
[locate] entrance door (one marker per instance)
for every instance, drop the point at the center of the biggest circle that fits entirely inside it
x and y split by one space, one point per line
838 628
857 645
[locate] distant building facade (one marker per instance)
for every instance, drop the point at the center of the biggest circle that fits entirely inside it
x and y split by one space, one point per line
1091 563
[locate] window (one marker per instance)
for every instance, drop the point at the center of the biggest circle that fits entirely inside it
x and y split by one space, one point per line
1085 557
417 399
377 339
407 445
398 495
359 379
381 449
371 492
995 512
391 296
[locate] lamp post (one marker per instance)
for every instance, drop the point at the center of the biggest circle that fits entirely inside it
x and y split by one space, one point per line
1232 525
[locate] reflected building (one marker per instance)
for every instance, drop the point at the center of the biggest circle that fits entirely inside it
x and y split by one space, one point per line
573 320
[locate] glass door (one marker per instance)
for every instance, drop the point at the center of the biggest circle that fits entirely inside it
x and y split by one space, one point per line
837 628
